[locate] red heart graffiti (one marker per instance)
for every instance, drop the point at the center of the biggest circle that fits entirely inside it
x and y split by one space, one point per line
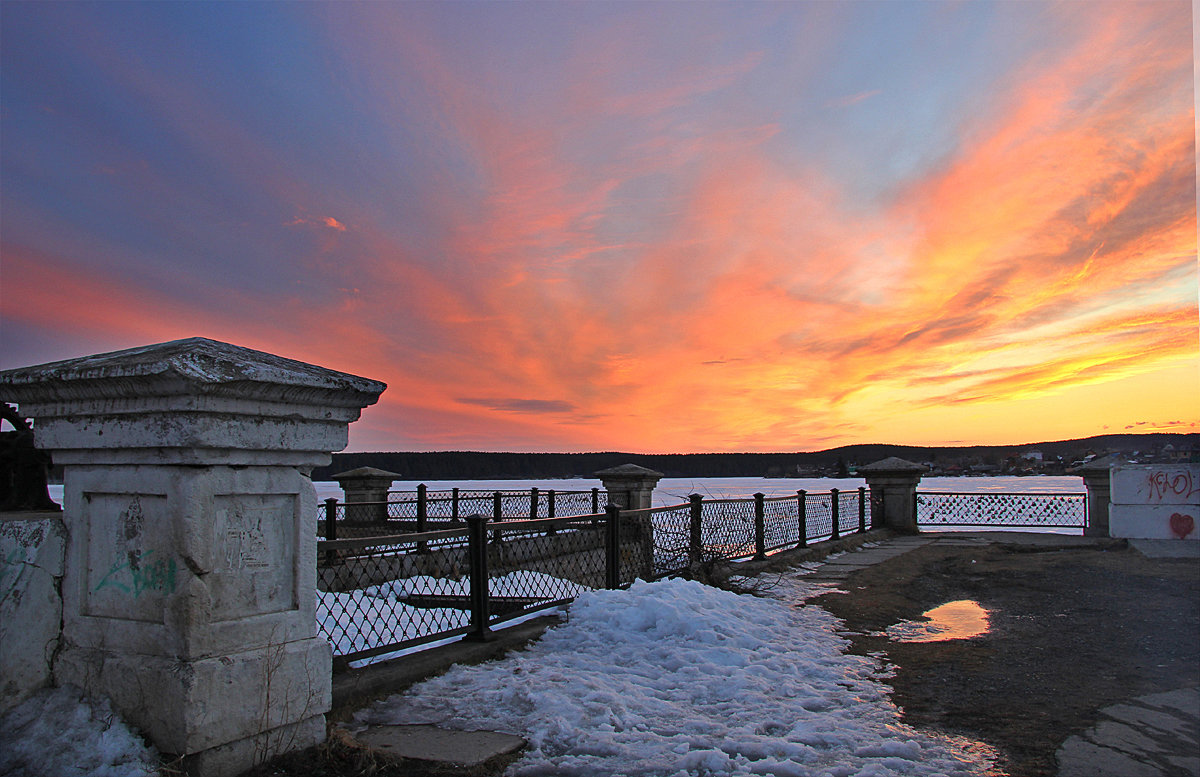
1182 525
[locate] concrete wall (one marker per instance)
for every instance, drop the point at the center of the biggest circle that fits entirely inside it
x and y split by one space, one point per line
32 551
1157 501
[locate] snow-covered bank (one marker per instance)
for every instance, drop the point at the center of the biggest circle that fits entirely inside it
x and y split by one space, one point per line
676 678
59 732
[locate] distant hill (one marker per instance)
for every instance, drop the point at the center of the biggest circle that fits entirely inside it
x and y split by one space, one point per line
477 465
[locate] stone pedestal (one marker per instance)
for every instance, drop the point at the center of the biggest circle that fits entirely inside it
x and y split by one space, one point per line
190 579
893 483
1099 493
629 486
368 488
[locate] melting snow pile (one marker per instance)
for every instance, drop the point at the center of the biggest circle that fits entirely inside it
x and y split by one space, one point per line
59 732
677 678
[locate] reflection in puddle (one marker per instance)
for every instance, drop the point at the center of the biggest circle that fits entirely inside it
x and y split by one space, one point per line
954 620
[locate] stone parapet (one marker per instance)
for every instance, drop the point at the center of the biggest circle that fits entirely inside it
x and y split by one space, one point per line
33 546
189 588
893 483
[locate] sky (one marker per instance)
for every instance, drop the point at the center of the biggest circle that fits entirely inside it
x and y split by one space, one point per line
638 226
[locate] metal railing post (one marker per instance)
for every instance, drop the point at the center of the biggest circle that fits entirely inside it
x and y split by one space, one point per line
802 515
612 547
595 501
330 529
422 516
862 509
331 519
760 532
695 536
477 554
497 514
454 503
550 511
833 492
533 503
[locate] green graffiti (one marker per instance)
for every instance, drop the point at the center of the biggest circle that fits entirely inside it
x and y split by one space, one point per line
136 576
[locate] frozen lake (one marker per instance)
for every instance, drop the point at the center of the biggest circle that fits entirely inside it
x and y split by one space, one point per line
673 491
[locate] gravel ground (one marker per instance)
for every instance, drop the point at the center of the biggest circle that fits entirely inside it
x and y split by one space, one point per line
1072 629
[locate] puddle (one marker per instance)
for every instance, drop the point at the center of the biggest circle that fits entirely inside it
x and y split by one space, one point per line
954 620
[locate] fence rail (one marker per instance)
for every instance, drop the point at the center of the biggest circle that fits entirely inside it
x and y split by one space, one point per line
1002 510
425 510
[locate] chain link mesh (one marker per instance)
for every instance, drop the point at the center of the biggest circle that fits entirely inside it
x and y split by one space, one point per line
1010 510
380 594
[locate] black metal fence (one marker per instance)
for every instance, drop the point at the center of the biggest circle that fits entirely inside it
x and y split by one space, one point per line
711 530
1002 510
382 593
424 510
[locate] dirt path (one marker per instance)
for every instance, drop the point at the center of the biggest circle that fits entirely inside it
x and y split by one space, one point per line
1072 630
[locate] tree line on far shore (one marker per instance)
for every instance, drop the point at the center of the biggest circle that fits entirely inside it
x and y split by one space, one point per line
477 465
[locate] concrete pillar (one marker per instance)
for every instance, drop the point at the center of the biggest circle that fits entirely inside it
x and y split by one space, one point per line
1098 483
893 483
366 485
189 588
629 486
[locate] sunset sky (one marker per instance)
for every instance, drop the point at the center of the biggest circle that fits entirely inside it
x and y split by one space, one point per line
651 227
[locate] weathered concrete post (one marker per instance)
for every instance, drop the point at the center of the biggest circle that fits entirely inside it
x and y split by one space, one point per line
631 487
893 484
189 586
1098 483
366 485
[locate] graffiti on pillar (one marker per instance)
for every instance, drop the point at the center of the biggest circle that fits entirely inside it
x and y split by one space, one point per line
1182 525
138 573
1174 483
245 542
137 570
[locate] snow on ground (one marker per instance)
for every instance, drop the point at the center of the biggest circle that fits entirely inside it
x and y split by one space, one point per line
59 732
523 582
675 678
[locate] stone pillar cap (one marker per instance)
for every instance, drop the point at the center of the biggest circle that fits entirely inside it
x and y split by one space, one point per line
364 473
893 466
627 471
193 401
194 365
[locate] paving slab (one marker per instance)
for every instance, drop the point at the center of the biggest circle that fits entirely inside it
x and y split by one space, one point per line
1167 548
1150 736
440 745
